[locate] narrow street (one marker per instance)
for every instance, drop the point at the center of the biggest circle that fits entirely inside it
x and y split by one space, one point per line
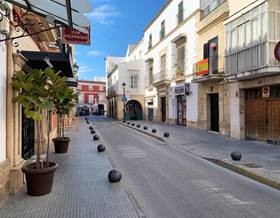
169 182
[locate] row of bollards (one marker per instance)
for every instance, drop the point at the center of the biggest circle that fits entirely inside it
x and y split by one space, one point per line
165 134
114 175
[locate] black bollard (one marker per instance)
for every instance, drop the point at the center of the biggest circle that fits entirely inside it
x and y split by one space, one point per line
154 130
114 176
138 126
133 124
166 134
90 128
95 137
145 127
101 148
236 155
128 123
92 131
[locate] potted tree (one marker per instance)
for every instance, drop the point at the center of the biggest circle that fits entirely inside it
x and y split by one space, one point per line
32 92
64 99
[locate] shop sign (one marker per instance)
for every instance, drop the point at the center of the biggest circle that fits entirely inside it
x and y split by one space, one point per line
202 67
72 36
71 83
180 90
277 51
265 92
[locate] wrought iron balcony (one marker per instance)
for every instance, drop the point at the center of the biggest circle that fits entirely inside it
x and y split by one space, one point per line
161 77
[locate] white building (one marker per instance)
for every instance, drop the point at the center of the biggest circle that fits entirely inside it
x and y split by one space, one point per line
170 51
128 70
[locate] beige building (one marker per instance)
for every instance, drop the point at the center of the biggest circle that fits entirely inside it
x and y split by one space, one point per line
252 71
37 51
213 93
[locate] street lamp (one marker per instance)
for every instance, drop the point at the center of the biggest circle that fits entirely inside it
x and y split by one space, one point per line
124 100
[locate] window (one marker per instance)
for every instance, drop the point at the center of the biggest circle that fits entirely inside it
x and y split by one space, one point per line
181 58
90 87
241 38
180 15
150 41
210 51
162 30
101 88
134 81
90 97
163 66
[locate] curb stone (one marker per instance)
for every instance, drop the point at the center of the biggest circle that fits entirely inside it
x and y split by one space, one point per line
244 172
144 132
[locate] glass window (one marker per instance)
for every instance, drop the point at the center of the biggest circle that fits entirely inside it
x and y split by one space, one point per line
180 12
134 81
181 58
248 36
90 88
255 29
162 30
233 38
241 37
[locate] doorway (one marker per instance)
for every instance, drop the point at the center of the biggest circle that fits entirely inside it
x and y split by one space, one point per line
181 110
134 110
163 109
214 112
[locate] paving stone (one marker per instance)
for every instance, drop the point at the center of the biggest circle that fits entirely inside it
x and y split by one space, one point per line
81 188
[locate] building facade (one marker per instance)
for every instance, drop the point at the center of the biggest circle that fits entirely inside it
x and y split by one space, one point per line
170 97
128 70
213 93
252 71
92 94
24 54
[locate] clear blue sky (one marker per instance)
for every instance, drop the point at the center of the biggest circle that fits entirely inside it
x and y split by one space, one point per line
114 25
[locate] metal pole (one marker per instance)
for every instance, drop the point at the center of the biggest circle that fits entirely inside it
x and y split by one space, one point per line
123 105
69 13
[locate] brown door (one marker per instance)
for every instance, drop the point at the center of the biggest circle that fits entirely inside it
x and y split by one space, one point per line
273 119
163 109
255 119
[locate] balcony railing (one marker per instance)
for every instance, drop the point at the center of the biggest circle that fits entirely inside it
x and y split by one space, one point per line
160 76
212 7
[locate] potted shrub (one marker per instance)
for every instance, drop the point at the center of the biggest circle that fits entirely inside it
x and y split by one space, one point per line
64 99
32 92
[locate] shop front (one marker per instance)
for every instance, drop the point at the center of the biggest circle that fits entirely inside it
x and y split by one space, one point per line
181 106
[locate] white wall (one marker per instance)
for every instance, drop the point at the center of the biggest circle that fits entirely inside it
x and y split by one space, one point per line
3 60
192 103
170 17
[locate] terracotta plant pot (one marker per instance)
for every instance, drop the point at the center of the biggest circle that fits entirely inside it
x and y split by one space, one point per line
61 145
39 181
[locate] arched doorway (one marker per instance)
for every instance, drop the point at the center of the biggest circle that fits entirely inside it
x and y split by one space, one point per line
133 110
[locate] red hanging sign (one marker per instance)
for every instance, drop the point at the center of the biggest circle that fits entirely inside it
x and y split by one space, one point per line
72 36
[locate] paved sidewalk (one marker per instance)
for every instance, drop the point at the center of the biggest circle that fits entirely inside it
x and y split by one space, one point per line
264 158
81 188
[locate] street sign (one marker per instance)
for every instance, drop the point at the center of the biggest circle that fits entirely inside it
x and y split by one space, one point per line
277 51
124 98
72 36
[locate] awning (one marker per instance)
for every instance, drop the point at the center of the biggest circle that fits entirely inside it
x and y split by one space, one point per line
57 61
60 11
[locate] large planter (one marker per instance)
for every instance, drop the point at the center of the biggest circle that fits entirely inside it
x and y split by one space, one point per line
39 181
61 145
